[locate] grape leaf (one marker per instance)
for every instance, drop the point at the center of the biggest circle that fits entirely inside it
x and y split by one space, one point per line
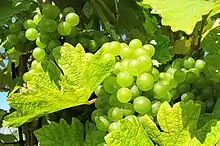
63 134
51 91
11 7
178 126
216 8
129 134
2 114
180 15
163 49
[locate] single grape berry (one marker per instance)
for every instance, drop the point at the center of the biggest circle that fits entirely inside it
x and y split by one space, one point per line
189 63
145 82
115 114
31 34
125 79
38 53
64 28
150 49
142 105
135 43
50 11
29 24
113 127
27 76
102 123
124 95
200 64
72 19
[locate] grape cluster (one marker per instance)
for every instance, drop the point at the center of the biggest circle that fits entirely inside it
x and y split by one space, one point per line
137 87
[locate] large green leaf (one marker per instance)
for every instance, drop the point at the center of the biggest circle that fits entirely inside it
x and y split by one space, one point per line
178 126
129 134
51 91
180 15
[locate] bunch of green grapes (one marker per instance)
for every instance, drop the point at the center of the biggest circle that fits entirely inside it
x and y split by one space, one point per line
136 87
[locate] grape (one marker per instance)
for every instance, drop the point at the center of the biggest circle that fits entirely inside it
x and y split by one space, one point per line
124 65
31 34
47 26
160 89
155 73
124 45
21 36
150 49
142 105
178 64
135 92
140 52
113 127
155 107
195 71
202 104
68 10
189 63
101 103
135 67
201 83
100 92
34 64
132 119
74 32
97 113
167 77
145 82
38 54
209 105
113 101
179 76
12 39
40 44
114 48
146 62
108 57
135 43
183 87
102 123
207 92
116 68
173 83
15 27
72 19
53 44
200 64
44 38
115 114
64 28
128 109
29 24
50 11
27 76
110 85
187 96
124 79
126 53
124 95
93 47
174 93
37 18
190 77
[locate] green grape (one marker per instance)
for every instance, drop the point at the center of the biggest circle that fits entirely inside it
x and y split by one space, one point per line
171 70
155 107
135 67
93 47
113 127
200 64
179 76
128 109
114 48
64 28
101 103
40 44
132 119
110 85
135 92
125 79
183 88
166 97
38 54
209 105
155 73
195 71
54 35
173 83
146 62
67 10
34 64
113 101
126 53
189 63
31 34
124 45
45 38
160 89
12 39
53 44
37 18
141 118
39 68
190 77
74 32
97 113
187 96
21 36
29 24
28 76
202 104
178 64
124 65
145 82
115 114
100 92
116 68
135 43
167 77
174 93
207 92
140 52
142 105
108 57
102 123
150 49
50 11
200 83
124 95
72 19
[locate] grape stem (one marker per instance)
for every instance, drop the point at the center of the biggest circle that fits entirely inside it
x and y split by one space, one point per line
91 101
